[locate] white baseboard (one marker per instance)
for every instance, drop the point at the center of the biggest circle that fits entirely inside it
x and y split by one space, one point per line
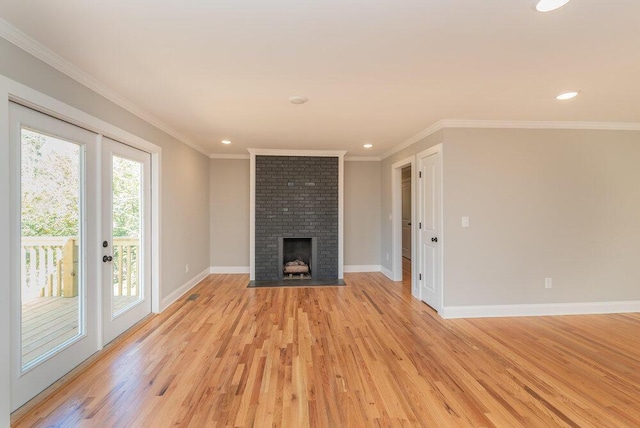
362 268
175 295
229 269
586 308
386 272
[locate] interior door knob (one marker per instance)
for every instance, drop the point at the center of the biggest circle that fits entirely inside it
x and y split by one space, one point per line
107 259
434 239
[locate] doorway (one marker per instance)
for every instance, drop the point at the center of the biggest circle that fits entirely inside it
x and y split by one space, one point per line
403 222
406 213
64 212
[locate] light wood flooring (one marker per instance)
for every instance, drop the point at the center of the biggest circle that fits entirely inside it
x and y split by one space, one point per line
367 354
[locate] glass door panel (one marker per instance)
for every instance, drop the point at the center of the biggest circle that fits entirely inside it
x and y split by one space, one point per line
127 231
51 277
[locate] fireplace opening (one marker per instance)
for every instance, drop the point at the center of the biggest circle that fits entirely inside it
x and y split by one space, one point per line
297 258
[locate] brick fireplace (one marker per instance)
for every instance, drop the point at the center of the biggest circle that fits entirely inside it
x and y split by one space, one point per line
296 205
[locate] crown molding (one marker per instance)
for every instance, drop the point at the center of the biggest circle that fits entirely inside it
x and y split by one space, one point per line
362 159
511 124
38 50
284 152
412 140
228 156
523 124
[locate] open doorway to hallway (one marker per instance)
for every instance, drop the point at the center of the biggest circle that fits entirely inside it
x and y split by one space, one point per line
406 226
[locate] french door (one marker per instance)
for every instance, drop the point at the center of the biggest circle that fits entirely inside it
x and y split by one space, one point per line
65 301
126 237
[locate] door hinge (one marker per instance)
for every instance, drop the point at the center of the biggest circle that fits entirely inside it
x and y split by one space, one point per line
419 225
419 174
420 276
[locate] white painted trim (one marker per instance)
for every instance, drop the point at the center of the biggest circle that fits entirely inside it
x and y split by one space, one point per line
543 309
386 272
252 198
252 218
396 213
6 260
35 48
524 124
362 159
229 269
184 289
362 268
341 215
228 156
279 152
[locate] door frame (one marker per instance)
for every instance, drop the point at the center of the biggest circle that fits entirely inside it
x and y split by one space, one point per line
396 220
11 90
439 277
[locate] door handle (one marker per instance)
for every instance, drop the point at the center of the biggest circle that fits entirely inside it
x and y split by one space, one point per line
408 224
107 259
434 239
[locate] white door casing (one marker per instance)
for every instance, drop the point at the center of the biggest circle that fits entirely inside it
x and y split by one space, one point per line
430 226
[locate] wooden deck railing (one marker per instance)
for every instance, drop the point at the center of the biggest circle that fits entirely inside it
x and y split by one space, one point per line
49 266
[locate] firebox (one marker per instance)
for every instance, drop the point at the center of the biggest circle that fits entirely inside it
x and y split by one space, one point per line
298 258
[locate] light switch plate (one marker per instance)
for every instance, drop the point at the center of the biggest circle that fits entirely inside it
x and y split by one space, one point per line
465 221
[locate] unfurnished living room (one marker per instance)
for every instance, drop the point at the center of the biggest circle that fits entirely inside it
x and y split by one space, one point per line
319 213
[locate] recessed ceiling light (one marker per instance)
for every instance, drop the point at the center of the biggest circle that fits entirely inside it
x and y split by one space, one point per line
298 100
549 5
225 142
367 146
567 95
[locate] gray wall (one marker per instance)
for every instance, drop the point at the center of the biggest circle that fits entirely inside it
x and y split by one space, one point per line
229 206
185 172
541 203
361 213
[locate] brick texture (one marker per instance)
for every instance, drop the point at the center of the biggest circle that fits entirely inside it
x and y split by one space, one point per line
296 197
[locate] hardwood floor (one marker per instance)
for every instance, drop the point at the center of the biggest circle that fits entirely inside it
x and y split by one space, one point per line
367 354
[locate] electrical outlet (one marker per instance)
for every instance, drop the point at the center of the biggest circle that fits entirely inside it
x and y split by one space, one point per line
548 283
186 269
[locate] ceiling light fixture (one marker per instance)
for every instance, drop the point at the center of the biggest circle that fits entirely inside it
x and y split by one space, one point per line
367 146
549 5
567 95
226 141
298 99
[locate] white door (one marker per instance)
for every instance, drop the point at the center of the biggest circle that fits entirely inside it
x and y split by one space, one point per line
54 276
126 233
406 214
430 226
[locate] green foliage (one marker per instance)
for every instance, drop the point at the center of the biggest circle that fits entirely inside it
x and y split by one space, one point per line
50 186
126 198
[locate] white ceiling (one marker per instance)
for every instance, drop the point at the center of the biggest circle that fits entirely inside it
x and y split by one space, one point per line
375 71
